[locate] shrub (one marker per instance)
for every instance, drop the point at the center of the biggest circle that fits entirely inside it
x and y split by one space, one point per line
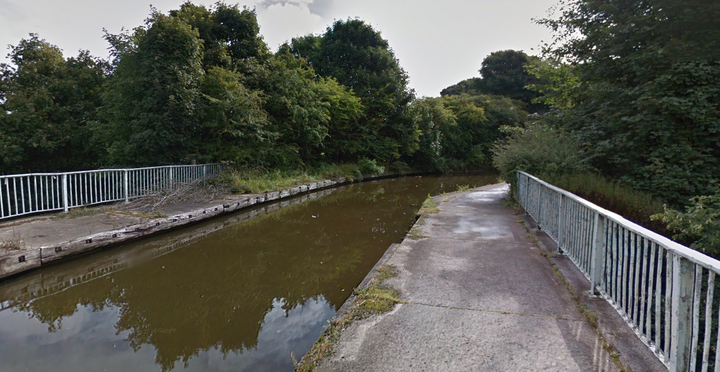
369 167
538 149
615 196
699 225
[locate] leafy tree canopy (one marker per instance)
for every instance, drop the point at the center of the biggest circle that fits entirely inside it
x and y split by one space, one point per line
646 98
356 55
503 73
46 104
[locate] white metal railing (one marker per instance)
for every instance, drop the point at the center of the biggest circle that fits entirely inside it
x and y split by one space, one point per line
665 291
22 194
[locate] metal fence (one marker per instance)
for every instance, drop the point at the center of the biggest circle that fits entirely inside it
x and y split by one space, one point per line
665 291
22 194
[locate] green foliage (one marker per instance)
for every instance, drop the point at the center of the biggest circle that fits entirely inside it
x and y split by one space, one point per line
370 167
504 73
231 119
699 224
457 132
259 180
556 83
46 105
645 96
539 149
615 196
472 86
433 119
229 35
152 99
478 122
356 55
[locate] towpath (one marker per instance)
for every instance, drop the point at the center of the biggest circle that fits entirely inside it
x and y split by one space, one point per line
479 295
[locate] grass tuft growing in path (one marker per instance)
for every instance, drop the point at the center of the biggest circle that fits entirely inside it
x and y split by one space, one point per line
376 298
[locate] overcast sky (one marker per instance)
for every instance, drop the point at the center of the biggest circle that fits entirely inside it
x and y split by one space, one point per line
437 42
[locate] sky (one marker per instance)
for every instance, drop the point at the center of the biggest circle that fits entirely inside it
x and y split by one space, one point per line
438 43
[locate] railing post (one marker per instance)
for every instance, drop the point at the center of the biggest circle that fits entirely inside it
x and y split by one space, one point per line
172 178
65 193
204 173
682 299
598 254
125 186
560 222
527 195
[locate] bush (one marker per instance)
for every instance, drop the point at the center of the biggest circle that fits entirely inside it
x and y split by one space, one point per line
698 226
369 167
538 149
615 196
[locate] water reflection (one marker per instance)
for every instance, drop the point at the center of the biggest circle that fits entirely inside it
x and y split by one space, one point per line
237 293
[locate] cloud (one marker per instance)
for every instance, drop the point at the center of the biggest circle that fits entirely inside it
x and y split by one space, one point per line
321 7
317 7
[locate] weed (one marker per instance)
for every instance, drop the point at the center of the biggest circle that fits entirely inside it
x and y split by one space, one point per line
589 315
430 205
81 212
613 195
463 187
13 244
374 299
256 181
415 234
147 215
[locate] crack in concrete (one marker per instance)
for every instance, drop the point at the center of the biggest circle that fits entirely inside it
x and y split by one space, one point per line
494 311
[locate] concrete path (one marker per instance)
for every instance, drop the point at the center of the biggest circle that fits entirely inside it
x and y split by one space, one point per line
480 297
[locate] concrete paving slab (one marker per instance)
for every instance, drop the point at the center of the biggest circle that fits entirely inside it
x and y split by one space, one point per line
508 277
478 296
428 338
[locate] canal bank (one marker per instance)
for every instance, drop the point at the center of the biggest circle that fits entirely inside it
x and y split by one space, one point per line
32 242
478 291
240 292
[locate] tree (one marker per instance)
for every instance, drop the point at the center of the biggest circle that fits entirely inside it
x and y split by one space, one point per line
229 35
152 99
472 86
503 73
356 55
232 122
646 99
46 104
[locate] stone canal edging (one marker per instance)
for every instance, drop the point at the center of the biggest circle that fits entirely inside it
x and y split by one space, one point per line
16 261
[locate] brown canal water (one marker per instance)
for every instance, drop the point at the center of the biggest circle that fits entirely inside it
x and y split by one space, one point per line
237 293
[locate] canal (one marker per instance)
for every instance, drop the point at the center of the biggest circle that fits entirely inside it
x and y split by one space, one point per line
244 292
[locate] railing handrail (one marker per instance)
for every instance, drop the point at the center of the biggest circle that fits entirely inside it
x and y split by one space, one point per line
28 193
664 290
677 248
103 170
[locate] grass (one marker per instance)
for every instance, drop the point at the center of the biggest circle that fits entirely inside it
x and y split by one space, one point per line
415 234
463 187
147 215
374 299
430 205
255 180
634 205
81 212
13 244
